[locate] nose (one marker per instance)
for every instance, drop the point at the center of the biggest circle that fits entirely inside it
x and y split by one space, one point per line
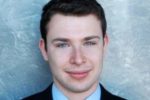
77 57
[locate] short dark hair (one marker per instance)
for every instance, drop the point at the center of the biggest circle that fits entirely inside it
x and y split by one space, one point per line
71 7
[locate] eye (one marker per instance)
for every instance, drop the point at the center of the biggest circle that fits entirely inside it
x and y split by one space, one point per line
90 43
62 45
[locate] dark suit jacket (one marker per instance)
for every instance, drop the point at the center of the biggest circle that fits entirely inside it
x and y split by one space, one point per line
47 95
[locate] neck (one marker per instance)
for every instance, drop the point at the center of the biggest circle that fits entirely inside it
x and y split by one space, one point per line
77 95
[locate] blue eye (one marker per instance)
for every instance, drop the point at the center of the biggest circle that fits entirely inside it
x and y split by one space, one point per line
90 43
62 45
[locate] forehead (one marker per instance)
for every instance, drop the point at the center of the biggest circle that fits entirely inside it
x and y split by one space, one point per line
73 26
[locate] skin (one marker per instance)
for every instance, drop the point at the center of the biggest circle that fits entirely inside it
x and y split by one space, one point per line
75 50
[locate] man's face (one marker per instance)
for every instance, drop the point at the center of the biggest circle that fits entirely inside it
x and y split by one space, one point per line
74 51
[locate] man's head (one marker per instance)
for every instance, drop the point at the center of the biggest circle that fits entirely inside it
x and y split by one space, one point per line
74 8
73 42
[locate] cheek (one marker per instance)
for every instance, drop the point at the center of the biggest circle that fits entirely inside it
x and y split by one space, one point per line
58 58
95 57
94 54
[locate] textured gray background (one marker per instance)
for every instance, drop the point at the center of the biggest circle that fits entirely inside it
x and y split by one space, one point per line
126 69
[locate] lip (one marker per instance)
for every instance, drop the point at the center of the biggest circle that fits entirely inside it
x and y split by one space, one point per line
78 74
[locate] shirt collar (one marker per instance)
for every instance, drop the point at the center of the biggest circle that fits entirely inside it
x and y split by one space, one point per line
95 95
58 95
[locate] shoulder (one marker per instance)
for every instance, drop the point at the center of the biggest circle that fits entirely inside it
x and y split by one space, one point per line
106 95
43 95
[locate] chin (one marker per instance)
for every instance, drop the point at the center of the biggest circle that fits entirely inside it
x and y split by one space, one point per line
79 86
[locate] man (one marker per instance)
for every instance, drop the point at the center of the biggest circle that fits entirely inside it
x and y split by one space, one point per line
73 42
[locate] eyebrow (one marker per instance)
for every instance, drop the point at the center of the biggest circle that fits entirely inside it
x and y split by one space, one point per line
66 40
60 39
91 37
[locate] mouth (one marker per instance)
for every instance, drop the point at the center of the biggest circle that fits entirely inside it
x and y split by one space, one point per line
78 74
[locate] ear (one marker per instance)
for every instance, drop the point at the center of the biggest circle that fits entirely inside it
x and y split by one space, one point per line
43 50
106 41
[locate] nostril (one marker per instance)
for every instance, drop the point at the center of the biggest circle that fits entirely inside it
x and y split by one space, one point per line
78 59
